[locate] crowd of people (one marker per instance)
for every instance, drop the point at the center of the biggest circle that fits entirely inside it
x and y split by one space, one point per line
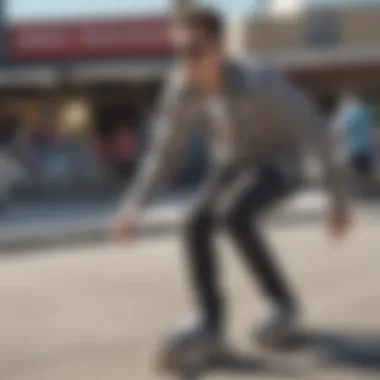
44 157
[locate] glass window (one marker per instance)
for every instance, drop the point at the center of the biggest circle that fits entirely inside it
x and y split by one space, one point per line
323 29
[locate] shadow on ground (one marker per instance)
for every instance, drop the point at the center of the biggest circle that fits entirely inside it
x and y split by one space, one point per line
240 364
355 351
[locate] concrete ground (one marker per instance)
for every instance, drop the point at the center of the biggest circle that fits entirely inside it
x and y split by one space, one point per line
100 311
51 224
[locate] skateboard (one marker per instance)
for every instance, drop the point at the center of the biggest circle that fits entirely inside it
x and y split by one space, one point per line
281 343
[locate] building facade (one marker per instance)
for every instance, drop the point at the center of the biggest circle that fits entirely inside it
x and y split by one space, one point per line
330 50
87 78
75 90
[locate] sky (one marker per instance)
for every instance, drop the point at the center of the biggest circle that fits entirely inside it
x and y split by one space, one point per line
31 9
41 9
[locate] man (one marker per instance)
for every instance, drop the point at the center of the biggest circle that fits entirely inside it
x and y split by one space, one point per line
256 125
354 123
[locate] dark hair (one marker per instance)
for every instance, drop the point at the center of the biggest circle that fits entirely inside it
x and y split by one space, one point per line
207 20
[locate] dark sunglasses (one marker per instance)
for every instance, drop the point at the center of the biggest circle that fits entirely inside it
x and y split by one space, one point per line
192 52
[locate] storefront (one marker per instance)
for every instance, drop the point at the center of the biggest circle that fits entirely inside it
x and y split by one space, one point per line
89 88
329 76
328 50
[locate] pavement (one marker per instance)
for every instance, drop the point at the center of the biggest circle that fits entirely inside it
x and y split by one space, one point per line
100 311
48 223
39 225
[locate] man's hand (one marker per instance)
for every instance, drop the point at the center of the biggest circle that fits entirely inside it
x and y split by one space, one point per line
339 221
123 226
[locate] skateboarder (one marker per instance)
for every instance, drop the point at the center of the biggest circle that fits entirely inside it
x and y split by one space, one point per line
257 126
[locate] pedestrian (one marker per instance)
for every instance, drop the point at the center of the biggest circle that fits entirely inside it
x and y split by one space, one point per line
354 124
124 150
257 126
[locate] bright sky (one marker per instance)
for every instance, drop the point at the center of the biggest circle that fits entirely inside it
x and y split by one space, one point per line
32 9
26 9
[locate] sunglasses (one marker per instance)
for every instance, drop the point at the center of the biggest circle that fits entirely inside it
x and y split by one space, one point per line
193 52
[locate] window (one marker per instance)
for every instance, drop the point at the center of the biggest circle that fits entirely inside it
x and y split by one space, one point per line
323 29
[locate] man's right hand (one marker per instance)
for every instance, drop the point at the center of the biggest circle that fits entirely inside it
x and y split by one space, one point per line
123 227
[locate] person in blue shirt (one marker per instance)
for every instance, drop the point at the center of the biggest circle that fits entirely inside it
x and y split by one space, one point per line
355 123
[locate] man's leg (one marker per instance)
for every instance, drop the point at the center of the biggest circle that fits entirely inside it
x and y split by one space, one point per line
202 338
266 188
202 265
201 257
361 166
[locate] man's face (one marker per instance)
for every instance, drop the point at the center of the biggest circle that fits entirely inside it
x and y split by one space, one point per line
199 54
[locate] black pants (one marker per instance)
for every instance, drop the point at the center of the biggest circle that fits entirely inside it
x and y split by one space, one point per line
235 197
362 164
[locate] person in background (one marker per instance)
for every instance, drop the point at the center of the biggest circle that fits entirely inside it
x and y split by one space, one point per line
11 171
354 126
257 125
32 143
124 150
118 149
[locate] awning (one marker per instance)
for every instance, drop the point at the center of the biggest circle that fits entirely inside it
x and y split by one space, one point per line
128 70
32 76
328 58
84 73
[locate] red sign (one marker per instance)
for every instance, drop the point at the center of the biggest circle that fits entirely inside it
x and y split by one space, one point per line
86 39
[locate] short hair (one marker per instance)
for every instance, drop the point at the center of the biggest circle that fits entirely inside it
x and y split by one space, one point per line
207 20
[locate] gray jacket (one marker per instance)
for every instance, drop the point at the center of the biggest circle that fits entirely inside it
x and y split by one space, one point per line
270 120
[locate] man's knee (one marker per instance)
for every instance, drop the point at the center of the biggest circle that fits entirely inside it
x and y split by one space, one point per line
197 224
236 220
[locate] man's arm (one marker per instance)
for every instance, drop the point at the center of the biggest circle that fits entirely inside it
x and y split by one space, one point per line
294 107
314 128
163 156
326 149
320 140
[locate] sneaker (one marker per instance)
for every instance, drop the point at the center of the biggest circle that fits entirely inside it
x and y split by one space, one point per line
193 344
280 329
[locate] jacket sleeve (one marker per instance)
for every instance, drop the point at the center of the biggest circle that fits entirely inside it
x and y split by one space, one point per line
317 134
295 107
325 147
163 156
